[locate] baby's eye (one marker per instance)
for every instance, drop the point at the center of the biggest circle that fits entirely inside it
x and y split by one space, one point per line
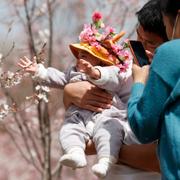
82 56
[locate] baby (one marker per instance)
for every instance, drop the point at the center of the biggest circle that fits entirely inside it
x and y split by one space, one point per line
108 65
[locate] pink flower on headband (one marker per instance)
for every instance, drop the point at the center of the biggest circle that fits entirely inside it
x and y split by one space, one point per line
117 49
103 37
96 16
123 67
97 45
110 30
87 35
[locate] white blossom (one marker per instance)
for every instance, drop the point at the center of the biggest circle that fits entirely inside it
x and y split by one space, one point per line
9 79
41 93
28 97
38 87
42 88
43 96
4 110
36 102
33 153
43 8
10 75
45 88
1 56
34 120
44 34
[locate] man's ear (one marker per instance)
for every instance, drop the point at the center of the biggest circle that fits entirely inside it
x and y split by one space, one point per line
177 32
177 26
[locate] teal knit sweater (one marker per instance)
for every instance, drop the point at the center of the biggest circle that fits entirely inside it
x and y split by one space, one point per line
154 109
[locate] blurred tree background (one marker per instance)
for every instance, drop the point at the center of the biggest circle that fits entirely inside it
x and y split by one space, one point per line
30 115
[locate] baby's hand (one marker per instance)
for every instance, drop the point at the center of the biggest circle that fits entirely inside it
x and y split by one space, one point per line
28 65
85 67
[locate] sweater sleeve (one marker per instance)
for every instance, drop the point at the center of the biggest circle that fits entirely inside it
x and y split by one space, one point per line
145 107
51 77
111 78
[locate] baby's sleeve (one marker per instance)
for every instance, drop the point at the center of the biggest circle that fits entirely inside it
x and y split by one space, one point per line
50 76
112 79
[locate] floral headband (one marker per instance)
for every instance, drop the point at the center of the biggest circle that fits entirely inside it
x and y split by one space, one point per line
101 39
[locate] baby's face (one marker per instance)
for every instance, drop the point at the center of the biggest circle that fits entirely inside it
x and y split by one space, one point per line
88 57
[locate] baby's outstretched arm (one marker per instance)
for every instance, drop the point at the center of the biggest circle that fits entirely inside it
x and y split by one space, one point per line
87 68
28 65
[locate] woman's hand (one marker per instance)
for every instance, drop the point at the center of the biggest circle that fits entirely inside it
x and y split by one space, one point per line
87 96
140 74
150 55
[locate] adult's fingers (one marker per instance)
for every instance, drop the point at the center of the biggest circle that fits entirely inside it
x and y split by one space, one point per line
93 98
97 92
90 148
93 108
150 55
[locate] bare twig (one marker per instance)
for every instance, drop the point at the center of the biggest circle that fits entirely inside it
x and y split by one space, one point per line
16 144
48 143
24 136
30 136
9 52
18 14
50 16
56 173
29 25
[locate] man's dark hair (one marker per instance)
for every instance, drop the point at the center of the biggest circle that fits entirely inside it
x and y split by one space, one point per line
170 7
150 18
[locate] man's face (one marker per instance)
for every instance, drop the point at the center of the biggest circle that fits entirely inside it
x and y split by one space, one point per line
149 40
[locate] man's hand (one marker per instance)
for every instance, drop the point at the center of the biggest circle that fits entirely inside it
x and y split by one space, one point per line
140 156
87 96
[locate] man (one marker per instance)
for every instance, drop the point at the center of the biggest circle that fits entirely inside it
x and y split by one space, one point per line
151 30
151 33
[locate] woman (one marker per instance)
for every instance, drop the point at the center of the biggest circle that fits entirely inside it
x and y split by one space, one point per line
154 106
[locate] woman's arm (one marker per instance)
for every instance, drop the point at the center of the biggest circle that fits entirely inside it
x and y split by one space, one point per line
145 106
86 95
140 156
